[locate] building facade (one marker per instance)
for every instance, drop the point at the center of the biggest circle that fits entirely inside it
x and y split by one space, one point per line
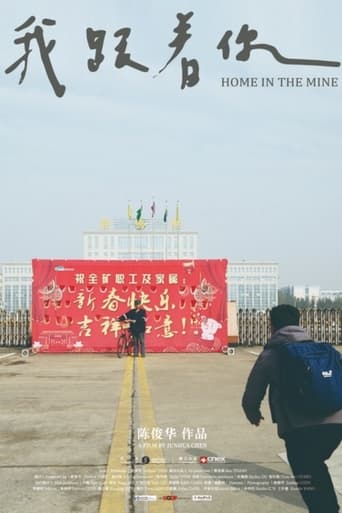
16 286
147 239
2 306
310 293
253 285
307 292
332 294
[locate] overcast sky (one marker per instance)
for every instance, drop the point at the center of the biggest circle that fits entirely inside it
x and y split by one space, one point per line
257 171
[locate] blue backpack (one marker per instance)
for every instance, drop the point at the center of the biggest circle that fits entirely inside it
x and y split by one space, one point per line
311 377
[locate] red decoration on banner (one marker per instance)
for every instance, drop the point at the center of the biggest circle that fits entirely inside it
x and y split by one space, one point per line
75 304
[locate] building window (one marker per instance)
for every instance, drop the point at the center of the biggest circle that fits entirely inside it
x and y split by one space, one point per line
158 242
123 242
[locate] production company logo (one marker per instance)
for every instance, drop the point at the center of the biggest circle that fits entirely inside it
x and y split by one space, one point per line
211 459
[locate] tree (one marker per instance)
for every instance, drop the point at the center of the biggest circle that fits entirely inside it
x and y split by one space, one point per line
284 297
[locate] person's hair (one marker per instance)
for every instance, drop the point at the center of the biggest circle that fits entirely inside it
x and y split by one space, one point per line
137 302
284 315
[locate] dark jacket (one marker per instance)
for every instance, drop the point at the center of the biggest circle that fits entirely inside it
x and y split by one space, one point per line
138 318
265 373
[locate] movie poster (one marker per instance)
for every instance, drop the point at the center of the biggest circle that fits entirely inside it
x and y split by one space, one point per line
86 305
216 118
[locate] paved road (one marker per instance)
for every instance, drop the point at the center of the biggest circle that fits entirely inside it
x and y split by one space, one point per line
78 429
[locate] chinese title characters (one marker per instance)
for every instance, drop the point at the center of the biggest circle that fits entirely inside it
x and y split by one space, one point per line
190 68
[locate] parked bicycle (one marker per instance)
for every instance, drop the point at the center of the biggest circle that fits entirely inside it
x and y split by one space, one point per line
125 343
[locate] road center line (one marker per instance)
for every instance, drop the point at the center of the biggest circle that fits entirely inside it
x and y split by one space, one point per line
115 497
156 475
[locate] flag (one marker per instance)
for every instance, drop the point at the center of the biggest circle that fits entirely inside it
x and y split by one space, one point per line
140 225
105 224
129 212
165 216
177 220
153 208
138 213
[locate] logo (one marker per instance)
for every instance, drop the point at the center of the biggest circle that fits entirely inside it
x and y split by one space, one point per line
145 498
202 497
169 497
158 460
212 459
327 374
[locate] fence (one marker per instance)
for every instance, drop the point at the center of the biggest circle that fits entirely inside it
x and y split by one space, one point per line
254 327
15 328
325 325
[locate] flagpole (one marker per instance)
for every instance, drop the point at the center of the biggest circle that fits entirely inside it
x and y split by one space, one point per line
153 212
141 209
165 238
177 228
153 208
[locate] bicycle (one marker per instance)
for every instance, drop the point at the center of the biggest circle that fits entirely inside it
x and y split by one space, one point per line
125 342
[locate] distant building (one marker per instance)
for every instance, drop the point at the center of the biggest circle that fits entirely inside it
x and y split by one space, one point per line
2 306
309 293
330 294
146 239
253 285
16 286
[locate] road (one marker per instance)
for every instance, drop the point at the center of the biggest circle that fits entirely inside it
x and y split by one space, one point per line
91 433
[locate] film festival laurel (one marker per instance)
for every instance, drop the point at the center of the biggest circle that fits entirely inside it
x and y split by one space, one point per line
279 82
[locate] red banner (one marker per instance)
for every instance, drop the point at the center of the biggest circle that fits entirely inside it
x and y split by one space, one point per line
75 304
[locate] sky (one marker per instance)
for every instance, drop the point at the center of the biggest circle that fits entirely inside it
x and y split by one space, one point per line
256 170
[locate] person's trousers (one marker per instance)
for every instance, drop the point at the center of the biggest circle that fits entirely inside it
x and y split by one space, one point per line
139 344
307 449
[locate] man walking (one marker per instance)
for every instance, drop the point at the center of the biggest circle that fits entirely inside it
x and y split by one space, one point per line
137 326
309 439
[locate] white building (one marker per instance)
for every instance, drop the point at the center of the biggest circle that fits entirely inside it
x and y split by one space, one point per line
306 292
330 294
146 239
253 285
16 286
